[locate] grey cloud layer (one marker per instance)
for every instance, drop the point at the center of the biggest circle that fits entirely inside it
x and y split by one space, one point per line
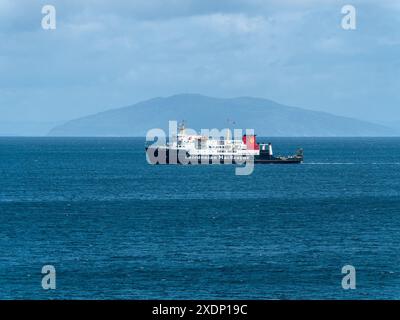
111 53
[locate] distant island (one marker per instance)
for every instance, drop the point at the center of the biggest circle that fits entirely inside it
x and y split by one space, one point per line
266 117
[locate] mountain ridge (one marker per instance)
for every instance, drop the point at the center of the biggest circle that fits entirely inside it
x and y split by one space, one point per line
266 117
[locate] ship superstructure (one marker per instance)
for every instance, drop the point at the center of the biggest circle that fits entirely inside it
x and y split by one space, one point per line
188 147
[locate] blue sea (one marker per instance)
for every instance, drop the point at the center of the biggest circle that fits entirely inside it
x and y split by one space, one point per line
115 227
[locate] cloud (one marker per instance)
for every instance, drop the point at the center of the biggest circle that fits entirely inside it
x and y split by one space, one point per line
233 23
106 54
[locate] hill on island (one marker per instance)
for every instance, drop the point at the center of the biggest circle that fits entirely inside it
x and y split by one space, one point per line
266 117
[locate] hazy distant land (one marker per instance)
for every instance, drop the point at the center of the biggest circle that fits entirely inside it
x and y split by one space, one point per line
266 117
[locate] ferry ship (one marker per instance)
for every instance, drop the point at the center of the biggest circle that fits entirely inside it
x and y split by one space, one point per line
200 149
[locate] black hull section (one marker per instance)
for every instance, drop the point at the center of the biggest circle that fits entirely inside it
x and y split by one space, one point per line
164 156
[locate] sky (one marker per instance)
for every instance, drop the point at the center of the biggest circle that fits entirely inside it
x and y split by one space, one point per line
109 54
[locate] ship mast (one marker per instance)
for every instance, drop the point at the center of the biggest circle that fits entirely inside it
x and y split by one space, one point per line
182 128
228 131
